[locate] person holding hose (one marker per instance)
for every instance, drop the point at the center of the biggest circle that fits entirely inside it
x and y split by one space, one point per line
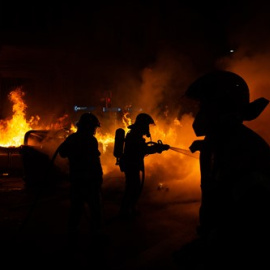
132 162
235 176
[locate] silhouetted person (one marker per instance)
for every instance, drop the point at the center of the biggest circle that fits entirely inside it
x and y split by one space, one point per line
132 162
85 173
235 174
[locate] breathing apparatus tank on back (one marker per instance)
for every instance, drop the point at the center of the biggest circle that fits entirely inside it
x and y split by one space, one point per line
119 141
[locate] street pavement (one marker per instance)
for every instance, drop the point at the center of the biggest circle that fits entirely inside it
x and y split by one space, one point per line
33 228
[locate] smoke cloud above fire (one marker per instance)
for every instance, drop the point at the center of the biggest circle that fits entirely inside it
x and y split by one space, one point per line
158 92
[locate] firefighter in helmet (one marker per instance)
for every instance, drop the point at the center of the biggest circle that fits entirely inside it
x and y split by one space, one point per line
85 174
234 165
132 161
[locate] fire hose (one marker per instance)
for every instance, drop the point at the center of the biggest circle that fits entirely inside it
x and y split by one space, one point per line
167 147
185 152
176 149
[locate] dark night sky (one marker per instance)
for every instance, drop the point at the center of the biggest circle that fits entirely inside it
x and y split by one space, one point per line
131 31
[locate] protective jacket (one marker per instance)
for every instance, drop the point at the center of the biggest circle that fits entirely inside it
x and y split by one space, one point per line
85 172
81 149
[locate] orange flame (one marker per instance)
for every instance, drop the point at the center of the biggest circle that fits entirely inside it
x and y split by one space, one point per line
126 120
175 168
12 131
105 140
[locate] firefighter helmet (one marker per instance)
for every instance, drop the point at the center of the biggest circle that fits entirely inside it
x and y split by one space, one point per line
227 89
144 119
226 92
88 120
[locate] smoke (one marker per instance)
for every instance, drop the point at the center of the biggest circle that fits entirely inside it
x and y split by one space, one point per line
159 92
255 71
177 174
164 83
249 40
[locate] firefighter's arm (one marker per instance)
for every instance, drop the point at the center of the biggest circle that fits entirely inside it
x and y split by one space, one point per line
159 147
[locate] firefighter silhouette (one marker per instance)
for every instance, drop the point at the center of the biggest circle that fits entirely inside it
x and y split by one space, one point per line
132 161
235 172
85 173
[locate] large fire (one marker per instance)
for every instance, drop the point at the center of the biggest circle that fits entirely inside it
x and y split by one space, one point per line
12 130
171 167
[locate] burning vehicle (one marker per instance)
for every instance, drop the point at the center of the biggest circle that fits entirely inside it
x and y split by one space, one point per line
38 155
29 149
10 161
26 151
35 160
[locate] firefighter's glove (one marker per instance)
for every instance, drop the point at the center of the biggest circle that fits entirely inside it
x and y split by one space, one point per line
162 147
196 146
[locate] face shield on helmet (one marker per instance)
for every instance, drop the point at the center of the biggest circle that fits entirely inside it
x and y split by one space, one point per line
88 122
